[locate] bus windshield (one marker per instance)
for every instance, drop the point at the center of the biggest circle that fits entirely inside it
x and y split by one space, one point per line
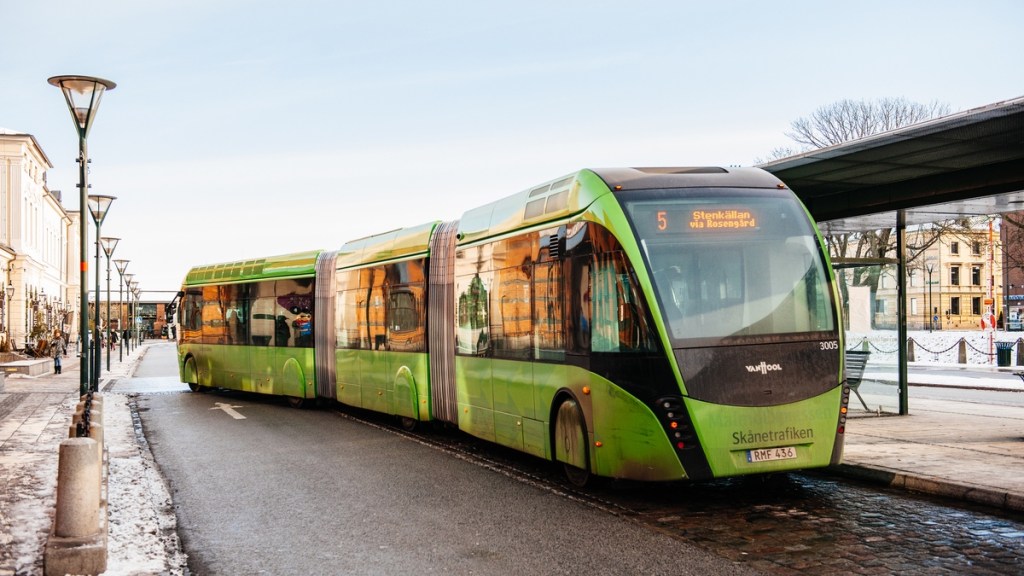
732 264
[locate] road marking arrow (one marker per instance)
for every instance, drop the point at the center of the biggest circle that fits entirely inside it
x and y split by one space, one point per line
229 410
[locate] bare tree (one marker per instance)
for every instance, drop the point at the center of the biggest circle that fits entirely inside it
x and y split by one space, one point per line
847 120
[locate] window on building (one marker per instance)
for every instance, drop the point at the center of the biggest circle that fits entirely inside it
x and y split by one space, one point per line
976 248
954 247
976 306
879 306
954 305
954 275
913 306
975 275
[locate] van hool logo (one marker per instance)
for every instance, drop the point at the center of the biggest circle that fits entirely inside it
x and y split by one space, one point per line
764 368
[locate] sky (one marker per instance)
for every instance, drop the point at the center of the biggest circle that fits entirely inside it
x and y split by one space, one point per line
241 129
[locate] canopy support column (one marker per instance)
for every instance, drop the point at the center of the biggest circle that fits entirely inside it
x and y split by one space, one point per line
901 305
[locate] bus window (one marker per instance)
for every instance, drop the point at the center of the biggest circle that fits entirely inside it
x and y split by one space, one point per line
511 323
619 318
549 343
472 336
293 322
192 316
346 310
214 323
405 312
735 265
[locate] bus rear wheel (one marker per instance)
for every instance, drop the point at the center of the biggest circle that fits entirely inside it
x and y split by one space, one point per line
192 375
571 443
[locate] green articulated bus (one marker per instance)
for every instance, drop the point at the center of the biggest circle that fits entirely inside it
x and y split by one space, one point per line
650 324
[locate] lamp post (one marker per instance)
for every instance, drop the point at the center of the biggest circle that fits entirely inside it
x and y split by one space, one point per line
83 95
9 291
136 328
30 306
131 309
99 205
109 244
121 265
929 264
42 307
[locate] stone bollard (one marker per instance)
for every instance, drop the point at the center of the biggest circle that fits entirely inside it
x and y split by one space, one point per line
963 351
95 427
1020 352
910 349
95 415
78 541
78 489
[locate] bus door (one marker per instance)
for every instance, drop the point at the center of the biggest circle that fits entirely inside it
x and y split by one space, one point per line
374 377
262 321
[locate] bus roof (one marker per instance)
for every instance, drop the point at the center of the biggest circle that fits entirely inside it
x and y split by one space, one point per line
626 179
552 200
572 194
392 245
285 265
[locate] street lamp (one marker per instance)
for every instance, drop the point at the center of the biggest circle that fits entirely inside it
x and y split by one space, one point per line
7 305
131 309
121 265
138 329
42 313
929 264
83 95
109 244
99 205
30 308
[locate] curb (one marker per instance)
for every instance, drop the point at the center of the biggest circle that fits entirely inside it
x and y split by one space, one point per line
929 485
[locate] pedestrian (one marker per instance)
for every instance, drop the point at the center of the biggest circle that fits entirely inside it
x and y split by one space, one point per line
58 352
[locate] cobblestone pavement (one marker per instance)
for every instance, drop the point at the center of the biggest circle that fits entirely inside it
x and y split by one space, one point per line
816 524
798 523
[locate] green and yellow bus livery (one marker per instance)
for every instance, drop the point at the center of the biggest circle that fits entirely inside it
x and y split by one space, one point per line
650 324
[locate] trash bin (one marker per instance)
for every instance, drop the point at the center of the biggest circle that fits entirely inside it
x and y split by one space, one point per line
1003 350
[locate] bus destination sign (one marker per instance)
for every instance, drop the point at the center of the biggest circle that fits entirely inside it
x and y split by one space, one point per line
705 220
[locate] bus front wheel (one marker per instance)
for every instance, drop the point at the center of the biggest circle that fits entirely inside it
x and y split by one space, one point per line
571 443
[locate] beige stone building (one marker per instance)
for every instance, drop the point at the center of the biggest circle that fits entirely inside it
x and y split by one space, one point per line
38 257
955 280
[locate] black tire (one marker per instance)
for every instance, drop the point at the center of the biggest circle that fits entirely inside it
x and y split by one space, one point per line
190 368
571 443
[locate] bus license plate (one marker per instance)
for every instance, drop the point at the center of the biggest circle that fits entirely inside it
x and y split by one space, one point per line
769 454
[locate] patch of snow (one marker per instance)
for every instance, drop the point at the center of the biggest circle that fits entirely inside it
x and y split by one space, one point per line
938 347
142 537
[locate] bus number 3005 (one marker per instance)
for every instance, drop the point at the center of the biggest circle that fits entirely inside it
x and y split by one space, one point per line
829 345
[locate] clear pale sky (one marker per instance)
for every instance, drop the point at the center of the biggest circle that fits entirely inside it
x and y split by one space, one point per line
247 128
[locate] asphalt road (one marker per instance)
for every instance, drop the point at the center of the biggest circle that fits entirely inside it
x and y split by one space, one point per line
261 488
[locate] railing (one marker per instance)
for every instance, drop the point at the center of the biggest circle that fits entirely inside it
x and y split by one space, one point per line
979 350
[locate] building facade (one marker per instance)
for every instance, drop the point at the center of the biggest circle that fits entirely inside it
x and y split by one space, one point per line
955 280
37 254
1011 234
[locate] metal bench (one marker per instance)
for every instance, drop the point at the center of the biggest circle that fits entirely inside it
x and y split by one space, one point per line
855 363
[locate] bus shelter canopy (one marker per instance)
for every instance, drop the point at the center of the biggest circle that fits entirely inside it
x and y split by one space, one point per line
966 164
